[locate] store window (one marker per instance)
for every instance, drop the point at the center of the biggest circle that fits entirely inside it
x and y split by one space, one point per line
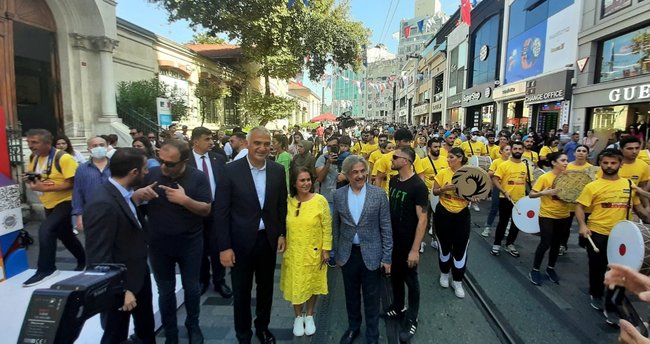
609 7
486 45
625 56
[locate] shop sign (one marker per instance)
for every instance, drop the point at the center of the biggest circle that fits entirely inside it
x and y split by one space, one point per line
472 97
509 91
549 88
477 95
420 109
436 107
632 93
545 97
454 101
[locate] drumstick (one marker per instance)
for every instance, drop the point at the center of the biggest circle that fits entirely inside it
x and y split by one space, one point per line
515 206
592 244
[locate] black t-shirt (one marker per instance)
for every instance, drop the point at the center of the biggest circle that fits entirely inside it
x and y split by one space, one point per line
403 197
171 224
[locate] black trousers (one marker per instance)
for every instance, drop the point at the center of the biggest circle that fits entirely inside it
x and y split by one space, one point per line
210 260
552 233
116 323
597 268
261 265
163 263
401 275
453 239
505 215
358 280
57 224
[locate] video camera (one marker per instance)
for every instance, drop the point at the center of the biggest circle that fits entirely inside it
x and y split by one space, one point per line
57 314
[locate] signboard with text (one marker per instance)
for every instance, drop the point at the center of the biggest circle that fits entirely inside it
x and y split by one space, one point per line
164 110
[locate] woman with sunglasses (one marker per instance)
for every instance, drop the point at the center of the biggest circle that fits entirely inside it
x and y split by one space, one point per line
554 218
452 222
309 240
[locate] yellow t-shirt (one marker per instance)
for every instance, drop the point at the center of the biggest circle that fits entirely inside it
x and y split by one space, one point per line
430 172
450 199
384 164
495 164
495 152
546 150
369 148
374 156
513 179
531 156
644 155
474 148
552 207
68 169
637 172
458 142
444 152
608 200
573 167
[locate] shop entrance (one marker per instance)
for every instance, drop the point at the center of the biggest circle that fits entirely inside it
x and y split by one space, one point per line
547 117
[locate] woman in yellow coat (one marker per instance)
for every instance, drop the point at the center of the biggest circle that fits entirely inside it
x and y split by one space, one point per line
309 240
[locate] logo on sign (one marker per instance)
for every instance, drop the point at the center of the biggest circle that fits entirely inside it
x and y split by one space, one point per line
487 93
630 93
472 97
484 52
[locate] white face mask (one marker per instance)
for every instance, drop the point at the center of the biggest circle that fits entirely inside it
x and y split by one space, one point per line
98 152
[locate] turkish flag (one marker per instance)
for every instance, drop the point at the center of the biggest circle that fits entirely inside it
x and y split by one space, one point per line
465 12
407 32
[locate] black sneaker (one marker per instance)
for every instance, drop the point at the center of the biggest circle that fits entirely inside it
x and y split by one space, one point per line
596 303
40 277
408 330
552 275
393 313
535 277
611 318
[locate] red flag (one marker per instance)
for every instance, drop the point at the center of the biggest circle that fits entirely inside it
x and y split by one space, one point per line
407 32
465 12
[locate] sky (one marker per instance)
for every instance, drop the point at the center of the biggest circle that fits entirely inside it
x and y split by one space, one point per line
373 13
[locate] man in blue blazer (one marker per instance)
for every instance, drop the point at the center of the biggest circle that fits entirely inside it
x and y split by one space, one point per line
362 232
250 213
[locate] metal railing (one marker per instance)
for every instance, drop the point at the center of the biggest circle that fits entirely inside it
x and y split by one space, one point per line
134 119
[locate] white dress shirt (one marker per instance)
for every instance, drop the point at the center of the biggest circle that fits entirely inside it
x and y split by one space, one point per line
199 166
259 178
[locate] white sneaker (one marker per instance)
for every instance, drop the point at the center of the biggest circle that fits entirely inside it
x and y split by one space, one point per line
444 280
422 245
434 244
310 327
475 207
486 232
458 289
299 326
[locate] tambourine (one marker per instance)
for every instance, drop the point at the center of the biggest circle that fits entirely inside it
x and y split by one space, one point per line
472 182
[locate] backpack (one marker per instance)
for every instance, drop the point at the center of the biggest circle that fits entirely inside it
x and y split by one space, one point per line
57 161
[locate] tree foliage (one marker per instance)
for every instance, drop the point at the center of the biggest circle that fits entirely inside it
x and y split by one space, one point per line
205 38
140 96
208 92
267 108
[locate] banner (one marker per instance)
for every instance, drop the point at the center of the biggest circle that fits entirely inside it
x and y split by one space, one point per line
164 109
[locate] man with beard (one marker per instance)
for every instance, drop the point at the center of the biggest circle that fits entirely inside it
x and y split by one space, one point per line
176 236
432 165
529 154
632 168
116 233
510 178
366 146
609 198
448 143
408 199
474 146
491 144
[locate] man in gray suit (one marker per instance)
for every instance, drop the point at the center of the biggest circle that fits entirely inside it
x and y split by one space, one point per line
363 237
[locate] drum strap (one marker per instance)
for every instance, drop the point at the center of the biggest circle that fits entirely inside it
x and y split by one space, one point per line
528 183
629 200
432 165
470 146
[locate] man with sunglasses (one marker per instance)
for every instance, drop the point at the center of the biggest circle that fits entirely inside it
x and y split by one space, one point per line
176 234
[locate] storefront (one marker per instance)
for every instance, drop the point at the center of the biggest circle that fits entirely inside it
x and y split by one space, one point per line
510 106
454 113
548 99
420 113
479 106
436 112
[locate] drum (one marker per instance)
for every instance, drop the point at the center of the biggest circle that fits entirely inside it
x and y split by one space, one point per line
483 162
472 182
537 172
525 214
629 245
570 185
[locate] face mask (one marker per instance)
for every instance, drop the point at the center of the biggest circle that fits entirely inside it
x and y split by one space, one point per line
98 152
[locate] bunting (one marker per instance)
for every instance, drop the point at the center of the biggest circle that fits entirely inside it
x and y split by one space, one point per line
466 12
421 25
407 31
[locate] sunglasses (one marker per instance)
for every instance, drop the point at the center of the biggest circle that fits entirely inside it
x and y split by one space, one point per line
395 157
169 163
298 209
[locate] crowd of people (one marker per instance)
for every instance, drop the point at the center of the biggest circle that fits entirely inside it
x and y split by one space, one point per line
357 198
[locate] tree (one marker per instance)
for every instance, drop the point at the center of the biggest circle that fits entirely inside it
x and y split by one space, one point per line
267 108
208 92
279 39
205 38
140 96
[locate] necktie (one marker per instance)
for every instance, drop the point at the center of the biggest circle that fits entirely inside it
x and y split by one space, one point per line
205 167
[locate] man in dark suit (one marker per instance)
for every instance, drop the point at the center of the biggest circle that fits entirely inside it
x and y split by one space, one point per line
251 210
212 165
116 233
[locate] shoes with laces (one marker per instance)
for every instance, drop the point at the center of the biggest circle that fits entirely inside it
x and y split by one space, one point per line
393 313
310 326
486 232
512 250
496 250
40 277
444 280
408 330
299 326
563 250
475 207
458 289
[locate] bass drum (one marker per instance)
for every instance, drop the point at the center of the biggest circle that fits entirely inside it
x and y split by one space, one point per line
629 245
526 214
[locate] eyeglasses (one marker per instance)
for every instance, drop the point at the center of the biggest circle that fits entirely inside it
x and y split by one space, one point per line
169 164
395 157
298 209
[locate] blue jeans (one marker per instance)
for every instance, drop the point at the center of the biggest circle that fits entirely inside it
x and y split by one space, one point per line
494 206
163 264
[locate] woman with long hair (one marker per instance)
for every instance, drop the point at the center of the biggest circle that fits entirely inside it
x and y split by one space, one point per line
295 140
452 221
62 142
580 164
554 218
420 145
309 240
143 144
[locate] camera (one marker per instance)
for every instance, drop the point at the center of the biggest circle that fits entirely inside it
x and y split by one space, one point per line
334 149
33 176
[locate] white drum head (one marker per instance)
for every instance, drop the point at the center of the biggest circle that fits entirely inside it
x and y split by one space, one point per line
625 245
434 200
473 161
527 219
